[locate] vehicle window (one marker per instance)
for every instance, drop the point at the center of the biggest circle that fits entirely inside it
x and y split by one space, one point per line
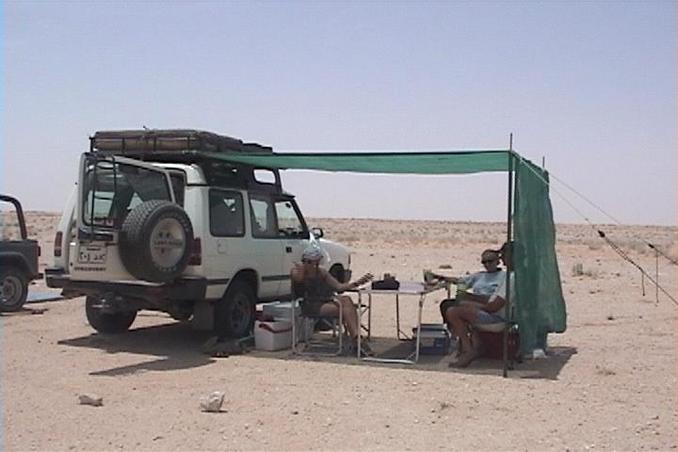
263 218
289 223
226 214
111 190
9 222
178 180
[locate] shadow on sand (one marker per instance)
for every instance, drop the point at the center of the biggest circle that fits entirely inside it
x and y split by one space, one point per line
546 368
176 346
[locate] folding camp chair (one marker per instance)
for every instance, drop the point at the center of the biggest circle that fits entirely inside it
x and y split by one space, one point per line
311 346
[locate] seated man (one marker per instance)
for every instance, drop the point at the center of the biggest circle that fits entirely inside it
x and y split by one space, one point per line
482 284
318 288
478 310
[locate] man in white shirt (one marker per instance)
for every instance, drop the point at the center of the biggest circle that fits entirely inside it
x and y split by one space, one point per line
479 311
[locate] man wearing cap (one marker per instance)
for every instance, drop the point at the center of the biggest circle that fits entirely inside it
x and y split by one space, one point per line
476 309
318 289
482 284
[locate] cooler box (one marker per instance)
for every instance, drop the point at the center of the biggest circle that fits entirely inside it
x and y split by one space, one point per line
272 335
435 339
282 310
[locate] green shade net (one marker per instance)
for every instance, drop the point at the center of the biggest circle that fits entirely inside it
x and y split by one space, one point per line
390 163
539 307
539 304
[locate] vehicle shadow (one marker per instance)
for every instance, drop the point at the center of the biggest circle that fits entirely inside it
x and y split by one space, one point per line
176 346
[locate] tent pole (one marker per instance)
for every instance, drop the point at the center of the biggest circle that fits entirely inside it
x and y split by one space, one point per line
509 234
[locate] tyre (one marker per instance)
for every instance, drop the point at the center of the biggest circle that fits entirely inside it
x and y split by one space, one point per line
155 241
104 322
14 289
234 313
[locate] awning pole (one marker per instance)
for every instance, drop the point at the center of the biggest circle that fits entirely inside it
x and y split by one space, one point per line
509 233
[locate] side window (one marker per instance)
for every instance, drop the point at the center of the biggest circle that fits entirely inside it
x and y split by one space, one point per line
10 228
178 179
289 223
226 214
263 218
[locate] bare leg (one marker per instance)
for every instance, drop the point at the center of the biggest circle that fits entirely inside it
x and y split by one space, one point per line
350 315
460 317
348 312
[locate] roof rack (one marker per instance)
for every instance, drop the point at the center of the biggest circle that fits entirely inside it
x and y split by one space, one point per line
168 143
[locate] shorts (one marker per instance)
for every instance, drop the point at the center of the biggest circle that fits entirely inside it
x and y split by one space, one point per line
485 318
312 308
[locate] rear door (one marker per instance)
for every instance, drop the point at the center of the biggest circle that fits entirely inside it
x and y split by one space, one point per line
293 234
109 188
266 245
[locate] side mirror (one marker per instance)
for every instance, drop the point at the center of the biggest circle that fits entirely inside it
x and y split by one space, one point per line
317 232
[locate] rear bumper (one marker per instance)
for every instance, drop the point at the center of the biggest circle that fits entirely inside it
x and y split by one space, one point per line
181 289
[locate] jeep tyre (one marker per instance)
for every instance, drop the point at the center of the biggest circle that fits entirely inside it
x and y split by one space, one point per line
155 241
14 289
104 322
234 313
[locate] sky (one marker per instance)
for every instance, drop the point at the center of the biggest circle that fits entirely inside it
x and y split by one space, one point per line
587 88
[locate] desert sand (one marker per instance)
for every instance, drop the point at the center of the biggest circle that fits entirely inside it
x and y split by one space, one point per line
608 383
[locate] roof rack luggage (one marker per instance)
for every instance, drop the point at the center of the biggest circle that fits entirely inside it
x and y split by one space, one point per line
140 143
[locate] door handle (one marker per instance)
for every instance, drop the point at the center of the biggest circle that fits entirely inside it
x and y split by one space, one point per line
288 249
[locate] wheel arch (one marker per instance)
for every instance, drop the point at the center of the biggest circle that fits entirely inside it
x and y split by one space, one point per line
247 275
14 260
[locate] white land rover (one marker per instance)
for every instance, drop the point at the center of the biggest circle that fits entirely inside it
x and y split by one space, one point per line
157 222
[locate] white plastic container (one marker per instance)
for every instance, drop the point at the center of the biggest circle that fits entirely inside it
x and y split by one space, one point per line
272 335
280 310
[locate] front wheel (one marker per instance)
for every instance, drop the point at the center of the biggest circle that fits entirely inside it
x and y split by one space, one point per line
107 322
234 313
14 289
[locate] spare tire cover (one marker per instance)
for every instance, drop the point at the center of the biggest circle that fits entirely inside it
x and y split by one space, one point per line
155 241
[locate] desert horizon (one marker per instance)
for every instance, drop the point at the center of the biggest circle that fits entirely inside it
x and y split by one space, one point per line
608 382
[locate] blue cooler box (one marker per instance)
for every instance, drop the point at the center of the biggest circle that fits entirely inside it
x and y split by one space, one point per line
435 339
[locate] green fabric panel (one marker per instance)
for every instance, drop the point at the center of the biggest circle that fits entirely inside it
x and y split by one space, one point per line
539 307
389 163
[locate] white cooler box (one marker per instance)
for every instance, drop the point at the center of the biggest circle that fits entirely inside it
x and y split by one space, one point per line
273 335
282 310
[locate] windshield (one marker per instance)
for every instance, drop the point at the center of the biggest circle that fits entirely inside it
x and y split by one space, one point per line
112 190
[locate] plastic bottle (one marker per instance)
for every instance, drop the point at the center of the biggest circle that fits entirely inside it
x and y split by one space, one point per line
461 289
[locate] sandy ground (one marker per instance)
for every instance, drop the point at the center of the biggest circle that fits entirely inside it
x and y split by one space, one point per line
609 382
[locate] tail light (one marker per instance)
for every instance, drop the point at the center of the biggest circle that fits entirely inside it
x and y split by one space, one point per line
196 253
57 243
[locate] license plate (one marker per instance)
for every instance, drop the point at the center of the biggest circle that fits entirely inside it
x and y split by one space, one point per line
92 255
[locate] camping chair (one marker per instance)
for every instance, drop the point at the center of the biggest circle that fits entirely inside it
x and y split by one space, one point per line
313 347
492 339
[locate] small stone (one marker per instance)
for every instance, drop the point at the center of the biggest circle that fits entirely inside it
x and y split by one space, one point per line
90 399
295 412
610 317
212 403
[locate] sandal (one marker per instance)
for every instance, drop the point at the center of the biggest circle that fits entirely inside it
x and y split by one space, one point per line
465 359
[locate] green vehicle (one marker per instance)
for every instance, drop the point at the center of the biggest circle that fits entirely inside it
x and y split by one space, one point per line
18 255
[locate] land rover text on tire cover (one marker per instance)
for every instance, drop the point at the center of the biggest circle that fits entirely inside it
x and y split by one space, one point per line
157 222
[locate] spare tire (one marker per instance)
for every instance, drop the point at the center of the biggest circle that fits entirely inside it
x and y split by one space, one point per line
155 241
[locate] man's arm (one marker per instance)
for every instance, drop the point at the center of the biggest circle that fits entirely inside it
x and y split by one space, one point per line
495 304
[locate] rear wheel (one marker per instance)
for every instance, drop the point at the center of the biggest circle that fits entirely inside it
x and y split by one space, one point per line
14 289
107 322
234 313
